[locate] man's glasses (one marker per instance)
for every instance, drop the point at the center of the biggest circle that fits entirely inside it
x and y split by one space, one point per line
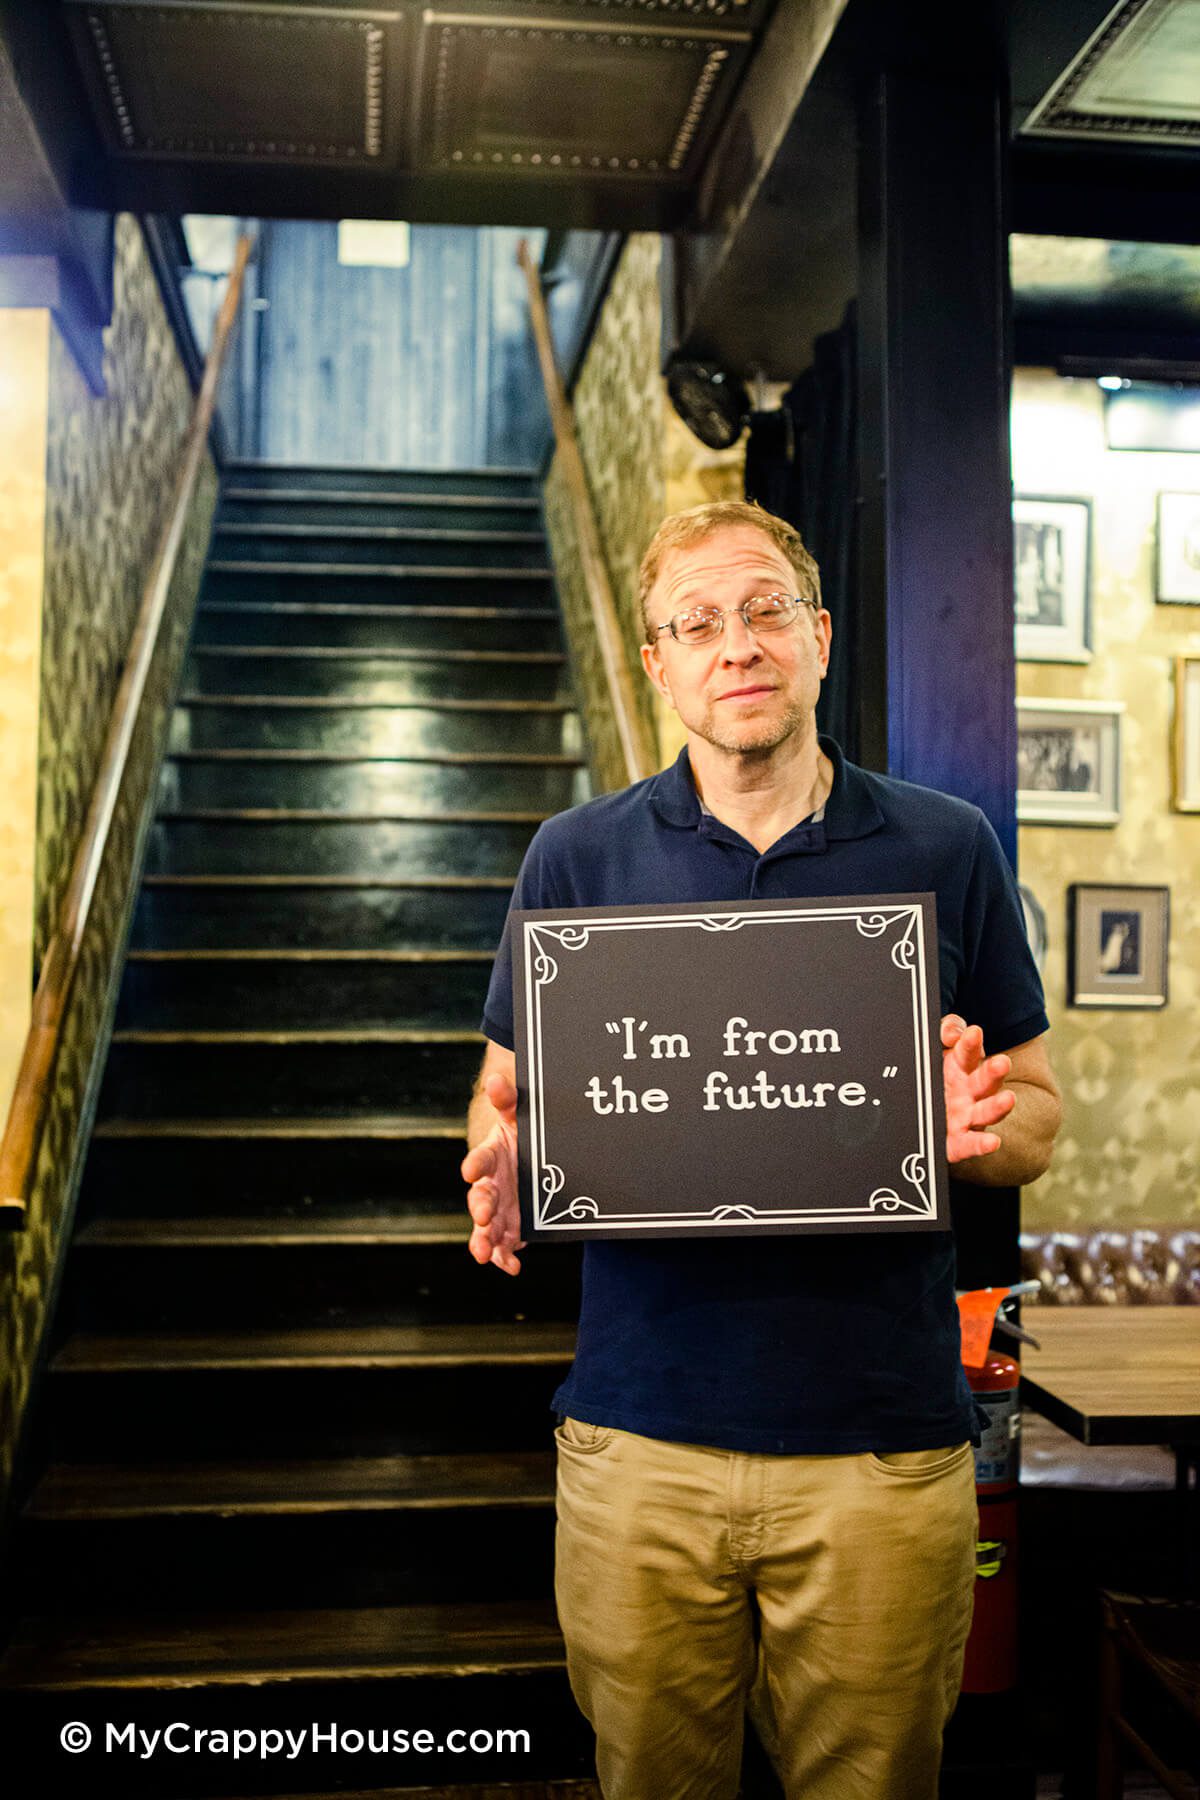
762 612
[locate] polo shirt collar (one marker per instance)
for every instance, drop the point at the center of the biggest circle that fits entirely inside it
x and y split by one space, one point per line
851 810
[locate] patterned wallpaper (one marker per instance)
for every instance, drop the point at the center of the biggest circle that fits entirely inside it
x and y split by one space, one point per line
24 362
1128 1152
619 421
110 469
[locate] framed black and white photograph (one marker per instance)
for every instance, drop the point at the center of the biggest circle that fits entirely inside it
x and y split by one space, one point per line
1069 762
1185 791
1178 569
1117 945
1052 578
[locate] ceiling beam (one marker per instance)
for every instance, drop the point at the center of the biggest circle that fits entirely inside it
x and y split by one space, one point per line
266 192
1142 195
747 146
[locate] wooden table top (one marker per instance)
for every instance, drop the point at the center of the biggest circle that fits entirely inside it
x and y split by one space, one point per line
1115 1374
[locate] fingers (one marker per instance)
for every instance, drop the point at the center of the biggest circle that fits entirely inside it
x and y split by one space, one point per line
992 1108
479 1162
484 1160
492 1242
503 1096
965 1043
481 1201
962 1145
504 1259
989 1077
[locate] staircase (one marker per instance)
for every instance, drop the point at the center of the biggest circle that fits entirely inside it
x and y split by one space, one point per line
294 1445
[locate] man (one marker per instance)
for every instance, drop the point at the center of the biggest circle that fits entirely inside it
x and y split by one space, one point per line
765 1444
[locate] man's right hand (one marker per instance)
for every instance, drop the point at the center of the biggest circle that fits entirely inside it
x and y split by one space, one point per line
490 1169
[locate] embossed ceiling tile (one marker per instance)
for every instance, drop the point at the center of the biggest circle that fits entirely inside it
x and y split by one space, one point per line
274 84
1137 80
554 100
741 13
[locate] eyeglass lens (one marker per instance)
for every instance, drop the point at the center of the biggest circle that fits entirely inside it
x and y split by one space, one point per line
762 612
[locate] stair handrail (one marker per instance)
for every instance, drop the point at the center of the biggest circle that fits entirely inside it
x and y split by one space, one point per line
636 747
30 1103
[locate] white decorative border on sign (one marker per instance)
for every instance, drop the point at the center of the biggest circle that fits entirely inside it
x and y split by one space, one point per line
551 1212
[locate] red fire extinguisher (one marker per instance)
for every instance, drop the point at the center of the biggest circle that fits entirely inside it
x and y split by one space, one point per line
990 1665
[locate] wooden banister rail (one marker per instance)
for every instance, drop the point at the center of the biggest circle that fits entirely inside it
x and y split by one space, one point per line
636 747
35 1077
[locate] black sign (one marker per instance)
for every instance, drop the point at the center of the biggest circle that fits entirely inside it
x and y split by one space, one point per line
765 1066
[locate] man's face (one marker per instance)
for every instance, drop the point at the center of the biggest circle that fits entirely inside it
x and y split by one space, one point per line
738 692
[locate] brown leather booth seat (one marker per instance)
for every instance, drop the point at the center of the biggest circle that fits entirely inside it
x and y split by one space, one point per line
1142 1266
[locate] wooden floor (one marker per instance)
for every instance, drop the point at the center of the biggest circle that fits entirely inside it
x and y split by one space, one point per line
521 1790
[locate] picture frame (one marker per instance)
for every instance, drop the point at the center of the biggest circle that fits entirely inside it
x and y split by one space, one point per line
1117 945
1177 564
1069 762
1052 537
1036 928
1185 733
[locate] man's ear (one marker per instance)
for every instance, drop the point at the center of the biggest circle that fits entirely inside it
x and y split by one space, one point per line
653 664
823 626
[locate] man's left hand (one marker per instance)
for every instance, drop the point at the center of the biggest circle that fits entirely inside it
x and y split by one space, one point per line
975 1093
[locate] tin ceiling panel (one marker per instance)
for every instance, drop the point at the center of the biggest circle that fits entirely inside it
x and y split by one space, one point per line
554 99
275 84
629 14
1137 80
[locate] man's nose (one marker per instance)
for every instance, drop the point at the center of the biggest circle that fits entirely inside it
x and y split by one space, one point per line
738 642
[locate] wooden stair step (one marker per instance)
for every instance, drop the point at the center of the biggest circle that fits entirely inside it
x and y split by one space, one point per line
505 1479
265 496
454 759
335 703
495 1344
504 1790
379 653
317 702
315 815
375 571
441 534
492 474
350 1126
363 610
382 957
218 1232
233 1649
361 1034
420 882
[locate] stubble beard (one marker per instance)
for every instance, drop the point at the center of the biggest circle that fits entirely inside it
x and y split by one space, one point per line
756 739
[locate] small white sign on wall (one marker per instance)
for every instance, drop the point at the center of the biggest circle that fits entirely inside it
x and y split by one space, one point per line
373 243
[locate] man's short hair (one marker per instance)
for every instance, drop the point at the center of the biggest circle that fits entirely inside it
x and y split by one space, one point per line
679 531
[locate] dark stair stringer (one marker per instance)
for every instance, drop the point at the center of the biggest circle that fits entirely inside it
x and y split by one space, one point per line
292 1454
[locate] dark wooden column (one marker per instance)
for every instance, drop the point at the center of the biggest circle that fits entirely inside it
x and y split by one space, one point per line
934 399
936 537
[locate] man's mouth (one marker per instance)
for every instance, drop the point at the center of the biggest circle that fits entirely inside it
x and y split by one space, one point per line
746 693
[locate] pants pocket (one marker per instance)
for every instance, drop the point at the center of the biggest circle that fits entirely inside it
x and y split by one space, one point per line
919 1464
575 1434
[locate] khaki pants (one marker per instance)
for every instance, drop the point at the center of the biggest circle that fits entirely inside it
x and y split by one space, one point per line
838 1588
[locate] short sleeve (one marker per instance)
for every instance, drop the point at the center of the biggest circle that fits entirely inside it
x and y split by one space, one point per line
1001 989
533 888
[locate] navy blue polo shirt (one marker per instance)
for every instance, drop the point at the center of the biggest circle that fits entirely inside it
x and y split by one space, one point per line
795 1345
